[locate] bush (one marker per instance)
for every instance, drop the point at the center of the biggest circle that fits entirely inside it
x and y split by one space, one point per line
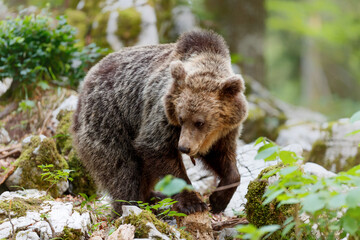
38 51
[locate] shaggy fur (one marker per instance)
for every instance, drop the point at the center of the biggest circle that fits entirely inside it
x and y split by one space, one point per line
139 107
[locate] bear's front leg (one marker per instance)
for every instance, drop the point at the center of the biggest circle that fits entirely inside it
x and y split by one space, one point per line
222 159
187 201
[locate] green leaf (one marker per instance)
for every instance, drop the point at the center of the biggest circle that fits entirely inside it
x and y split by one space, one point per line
355 117
337 201
350 225
288 170
272 196
44 85
266 153
171 186
353 198
287 157
287 229
313 203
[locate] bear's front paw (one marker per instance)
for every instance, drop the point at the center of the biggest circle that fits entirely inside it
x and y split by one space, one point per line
218 202
189 202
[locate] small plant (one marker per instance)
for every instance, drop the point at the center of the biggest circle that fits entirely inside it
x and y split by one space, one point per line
37 52
160 209
54 177
98 210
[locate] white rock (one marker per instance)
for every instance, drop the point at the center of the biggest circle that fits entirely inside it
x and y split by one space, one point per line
27 235
316 169
6 82
303 133
154 233
4 136
59 215
14 179
124 232
128 210
183 18
68 104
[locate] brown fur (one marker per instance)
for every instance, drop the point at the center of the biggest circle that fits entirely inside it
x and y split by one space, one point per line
138 107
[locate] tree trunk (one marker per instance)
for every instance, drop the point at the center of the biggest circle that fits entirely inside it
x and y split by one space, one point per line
242 22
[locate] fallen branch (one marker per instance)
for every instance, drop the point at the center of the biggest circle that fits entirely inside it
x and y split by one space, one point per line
227 187
218 226
15 152
9 148
9 109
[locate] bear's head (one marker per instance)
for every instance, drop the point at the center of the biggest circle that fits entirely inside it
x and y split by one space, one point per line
205 106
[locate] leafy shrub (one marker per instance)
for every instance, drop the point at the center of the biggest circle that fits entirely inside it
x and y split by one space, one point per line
325 208
38 51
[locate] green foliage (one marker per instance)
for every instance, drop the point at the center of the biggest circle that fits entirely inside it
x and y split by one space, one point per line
331 204
162 208
54 177
37 51
170 185
251 232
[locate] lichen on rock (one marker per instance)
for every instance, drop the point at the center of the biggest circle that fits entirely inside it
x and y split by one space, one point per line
38 150
148 226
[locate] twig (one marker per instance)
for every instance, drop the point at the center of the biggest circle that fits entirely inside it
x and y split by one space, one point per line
53 233
17 150
218 226
9 109
10 148
227 187
12 225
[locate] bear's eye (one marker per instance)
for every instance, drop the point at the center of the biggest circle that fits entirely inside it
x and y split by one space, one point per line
199 124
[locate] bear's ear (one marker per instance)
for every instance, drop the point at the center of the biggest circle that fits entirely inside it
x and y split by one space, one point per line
177 71
232 86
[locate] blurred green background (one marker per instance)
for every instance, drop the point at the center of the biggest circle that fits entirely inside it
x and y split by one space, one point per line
306 52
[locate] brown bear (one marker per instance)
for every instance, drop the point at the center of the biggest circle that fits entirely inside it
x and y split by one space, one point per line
143 106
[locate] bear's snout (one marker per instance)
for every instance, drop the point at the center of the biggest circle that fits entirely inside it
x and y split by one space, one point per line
185 150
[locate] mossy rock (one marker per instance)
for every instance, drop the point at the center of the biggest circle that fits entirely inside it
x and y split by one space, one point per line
98 31
262 215
318 155
142 231
260 123
19 206
82 181
38 151
129 26
79 20
71 234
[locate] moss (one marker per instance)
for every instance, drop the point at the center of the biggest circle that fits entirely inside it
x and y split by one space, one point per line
39 152
259 214
71 234
82 181
20 206
142 231
63 137
317 153
350 162
259 123
129 26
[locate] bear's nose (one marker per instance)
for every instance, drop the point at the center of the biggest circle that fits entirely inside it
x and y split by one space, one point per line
184 149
